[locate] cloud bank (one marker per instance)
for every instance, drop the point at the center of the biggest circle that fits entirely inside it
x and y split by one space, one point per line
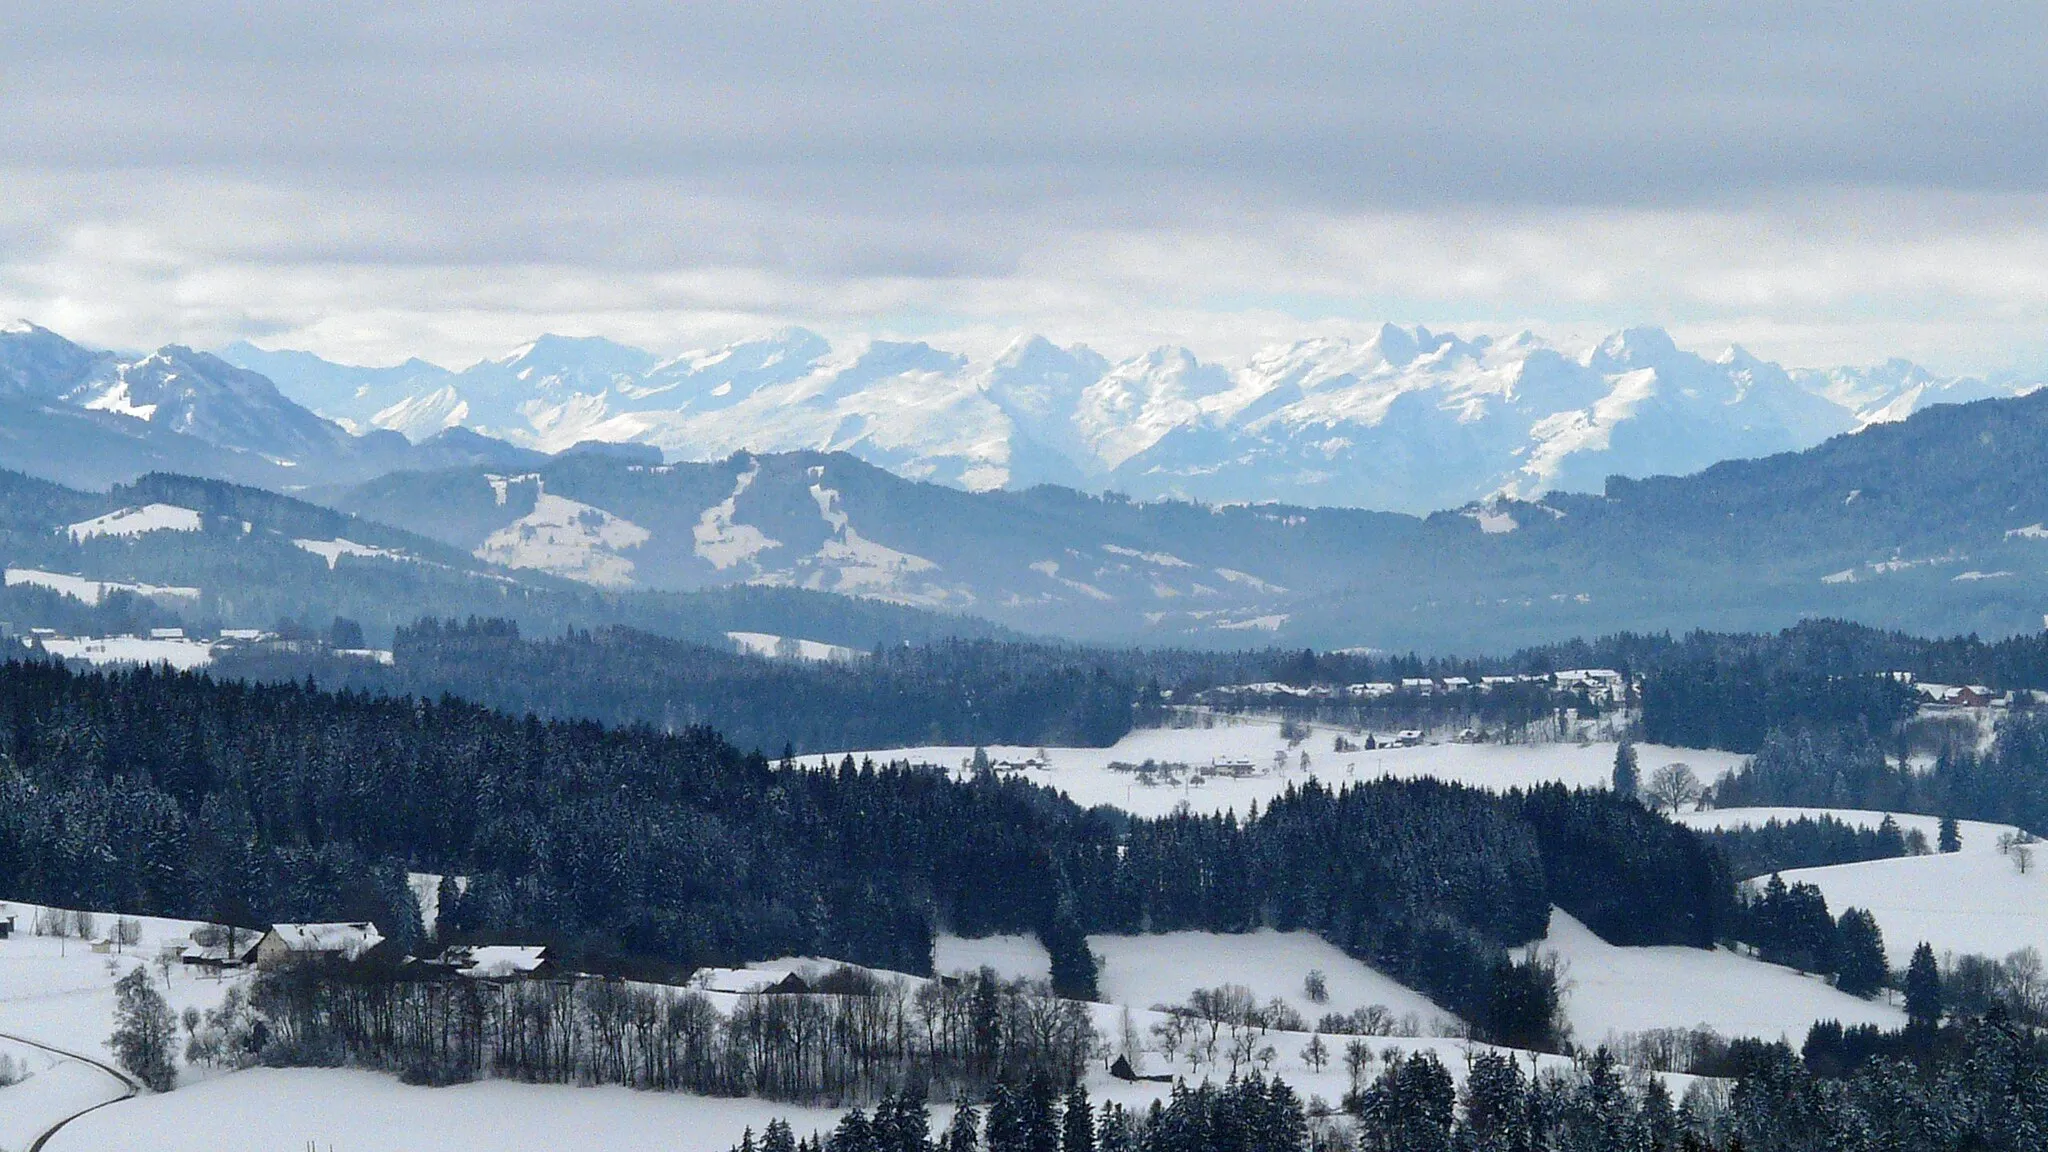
374 180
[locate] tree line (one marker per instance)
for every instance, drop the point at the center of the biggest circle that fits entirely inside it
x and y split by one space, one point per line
2005 784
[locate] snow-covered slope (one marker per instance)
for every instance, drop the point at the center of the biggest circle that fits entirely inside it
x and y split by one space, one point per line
1408 419
201 395
1613 991
1976 900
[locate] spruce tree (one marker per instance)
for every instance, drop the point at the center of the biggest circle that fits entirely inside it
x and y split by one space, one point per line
1628 781
1005 1121
1923 988
1077 1122
964 1133
1859 953
1951 838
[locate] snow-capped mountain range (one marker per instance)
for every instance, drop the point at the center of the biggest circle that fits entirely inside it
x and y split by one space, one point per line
1408 420
92 418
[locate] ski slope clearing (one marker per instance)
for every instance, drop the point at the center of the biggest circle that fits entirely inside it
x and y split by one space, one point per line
1975 900
136 521
1612 991
1085 776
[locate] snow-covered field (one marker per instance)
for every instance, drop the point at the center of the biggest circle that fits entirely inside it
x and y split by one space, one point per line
1975 900
268 1110
59 992
93 591
1713 818
180 653
1617 990
265 1110
53 1089
1142 972
136 521
769 644
1084 773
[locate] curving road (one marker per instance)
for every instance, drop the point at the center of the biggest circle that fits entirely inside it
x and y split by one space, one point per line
128 1086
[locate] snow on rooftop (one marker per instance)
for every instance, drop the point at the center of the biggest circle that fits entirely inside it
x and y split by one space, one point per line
348 939
496 961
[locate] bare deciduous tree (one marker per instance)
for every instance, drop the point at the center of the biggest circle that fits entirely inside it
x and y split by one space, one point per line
1674 786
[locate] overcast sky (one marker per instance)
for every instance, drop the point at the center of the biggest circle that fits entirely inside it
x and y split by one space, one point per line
1822 183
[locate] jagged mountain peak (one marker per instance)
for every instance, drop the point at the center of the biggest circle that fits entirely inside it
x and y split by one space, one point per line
551 354
1644 346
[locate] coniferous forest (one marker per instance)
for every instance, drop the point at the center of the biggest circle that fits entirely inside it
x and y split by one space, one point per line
174 794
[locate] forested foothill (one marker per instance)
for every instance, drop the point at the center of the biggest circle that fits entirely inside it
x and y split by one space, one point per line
956 691
177 795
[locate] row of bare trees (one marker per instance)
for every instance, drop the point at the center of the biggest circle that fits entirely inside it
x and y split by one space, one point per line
943 1038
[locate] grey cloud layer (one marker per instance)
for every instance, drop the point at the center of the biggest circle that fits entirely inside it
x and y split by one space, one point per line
1341 104
385 179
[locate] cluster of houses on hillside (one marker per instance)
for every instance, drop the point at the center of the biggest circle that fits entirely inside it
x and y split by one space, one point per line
1601 685
1948 697
221 949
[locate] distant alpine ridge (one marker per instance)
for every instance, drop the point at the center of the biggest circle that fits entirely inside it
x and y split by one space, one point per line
1409 420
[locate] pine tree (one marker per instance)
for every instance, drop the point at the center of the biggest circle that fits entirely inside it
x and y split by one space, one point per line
854 1134
144 1031
1496 1109
1077 1122
1040 1122
777 1137
1114 1130
1951 838
1923 988
964 1133
1005 1121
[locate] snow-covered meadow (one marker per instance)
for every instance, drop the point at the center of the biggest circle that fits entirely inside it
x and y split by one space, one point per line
60 992
1612 990
1975 900
1085 776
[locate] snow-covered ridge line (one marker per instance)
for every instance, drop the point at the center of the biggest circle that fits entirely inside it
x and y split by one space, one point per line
1406 418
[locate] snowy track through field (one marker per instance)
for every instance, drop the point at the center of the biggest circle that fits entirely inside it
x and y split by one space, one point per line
126 1089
